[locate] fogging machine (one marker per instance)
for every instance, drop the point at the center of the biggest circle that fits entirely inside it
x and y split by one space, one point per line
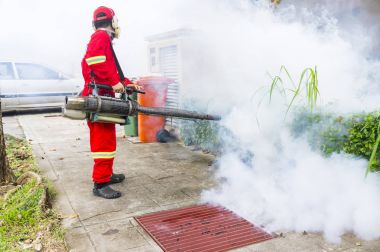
97 108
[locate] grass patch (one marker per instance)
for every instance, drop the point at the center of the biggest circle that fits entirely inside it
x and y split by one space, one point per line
25 218
20 156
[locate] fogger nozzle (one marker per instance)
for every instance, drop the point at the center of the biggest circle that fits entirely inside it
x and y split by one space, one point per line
117 107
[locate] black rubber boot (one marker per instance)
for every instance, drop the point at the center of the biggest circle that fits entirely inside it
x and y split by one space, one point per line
117 178
105 191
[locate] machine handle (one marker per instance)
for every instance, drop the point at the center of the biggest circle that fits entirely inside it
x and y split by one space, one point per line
134 90
92 85
104 86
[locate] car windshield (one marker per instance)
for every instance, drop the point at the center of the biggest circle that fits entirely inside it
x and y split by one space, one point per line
28 71
6 71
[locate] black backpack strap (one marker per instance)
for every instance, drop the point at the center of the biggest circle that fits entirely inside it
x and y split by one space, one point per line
121 74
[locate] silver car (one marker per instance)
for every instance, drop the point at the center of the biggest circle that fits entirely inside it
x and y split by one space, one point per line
26 86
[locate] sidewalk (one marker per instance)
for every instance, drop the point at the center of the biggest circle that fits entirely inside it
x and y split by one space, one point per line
159 177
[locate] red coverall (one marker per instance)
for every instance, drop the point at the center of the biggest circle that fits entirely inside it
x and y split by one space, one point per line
100 60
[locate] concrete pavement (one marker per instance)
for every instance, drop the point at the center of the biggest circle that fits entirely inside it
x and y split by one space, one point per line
159 177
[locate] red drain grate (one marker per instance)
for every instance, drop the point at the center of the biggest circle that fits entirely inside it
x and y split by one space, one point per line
201 228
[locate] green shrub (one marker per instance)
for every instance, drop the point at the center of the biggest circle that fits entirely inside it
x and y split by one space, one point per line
353 134
202 134
362 137
324 131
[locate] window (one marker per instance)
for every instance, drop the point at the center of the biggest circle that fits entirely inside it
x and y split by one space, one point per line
6 71
152 56
27 71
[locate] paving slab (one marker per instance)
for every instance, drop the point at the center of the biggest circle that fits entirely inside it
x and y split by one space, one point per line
159 177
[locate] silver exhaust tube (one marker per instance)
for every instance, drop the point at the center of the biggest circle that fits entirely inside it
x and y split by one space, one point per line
74 108
74 114
110 119
74 103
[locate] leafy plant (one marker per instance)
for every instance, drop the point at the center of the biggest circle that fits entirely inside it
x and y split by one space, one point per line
203 134
364 140
356 134
324 131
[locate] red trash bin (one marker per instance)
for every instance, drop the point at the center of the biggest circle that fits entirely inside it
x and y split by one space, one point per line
156 89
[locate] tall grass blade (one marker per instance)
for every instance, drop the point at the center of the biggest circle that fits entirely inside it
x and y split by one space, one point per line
308 79
374 151
288 74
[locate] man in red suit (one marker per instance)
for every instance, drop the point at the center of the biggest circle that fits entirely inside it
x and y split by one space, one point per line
100 65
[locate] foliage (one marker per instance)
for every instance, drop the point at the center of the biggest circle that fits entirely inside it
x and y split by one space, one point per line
203 134
363 138
355 134
200 133
324 131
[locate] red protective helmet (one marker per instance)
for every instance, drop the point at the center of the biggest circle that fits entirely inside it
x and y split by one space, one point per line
104 13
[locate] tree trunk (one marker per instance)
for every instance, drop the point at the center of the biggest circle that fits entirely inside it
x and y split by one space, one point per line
5 172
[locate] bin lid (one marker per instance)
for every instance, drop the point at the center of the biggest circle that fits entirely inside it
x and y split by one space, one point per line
155 80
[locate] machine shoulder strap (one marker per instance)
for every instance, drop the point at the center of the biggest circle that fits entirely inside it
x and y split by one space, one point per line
120 72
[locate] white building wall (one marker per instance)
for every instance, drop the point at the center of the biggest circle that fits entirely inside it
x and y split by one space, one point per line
165 58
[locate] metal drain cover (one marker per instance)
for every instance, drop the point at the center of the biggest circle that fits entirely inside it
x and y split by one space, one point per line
201 228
